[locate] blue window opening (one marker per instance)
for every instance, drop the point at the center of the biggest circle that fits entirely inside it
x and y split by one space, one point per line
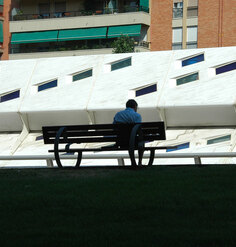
219 139
82 75
121 64
39 138
146 90
10 96
187 79
193 60
178 147
226 68
47 85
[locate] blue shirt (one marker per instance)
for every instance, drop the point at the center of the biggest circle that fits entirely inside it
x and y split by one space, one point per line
128 115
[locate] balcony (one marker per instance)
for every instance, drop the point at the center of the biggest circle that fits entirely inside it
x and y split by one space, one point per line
19 16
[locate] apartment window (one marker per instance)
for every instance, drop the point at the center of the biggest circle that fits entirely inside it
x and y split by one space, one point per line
9 96
192 12
193 60
177 37
146 90
226 68
219 139
121 64
178 9
178 147
187 79
47 85
82 75
192 36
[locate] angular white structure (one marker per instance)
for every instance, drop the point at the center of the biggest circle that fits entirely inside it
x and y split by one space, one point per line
193 91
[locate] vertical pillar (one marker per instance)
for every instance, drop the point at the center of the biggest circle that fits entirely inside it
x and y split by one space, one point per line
185 7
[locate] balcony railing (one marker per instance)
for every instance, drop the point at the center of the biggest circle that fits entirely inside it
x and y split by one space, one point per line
125 9
70 46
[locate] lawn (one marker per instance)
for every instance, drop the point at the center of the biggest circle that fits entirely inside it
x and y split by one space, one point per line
156 206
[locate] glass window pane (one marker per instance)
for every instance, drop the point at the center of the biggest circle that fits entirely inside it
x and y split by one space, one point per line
82 75
187 79
178 147
192 34
177 35
193 60
219 139
121 64
226 68
177 46
10 96
192 45
146 90
47 85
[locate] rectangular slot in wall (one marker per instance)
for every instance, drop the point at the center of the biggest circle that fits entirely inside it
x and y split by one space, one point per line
193 60
178 147
121 64
219 139
47 85
187 79
9 96
146 90
226 68
82 75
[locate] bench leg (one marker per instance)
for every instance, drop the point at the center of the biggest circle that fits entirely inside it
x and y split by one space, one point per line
151 158
56 152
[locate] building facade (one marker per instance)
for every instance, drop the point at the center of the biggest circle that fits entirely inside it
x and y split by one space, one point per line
33 29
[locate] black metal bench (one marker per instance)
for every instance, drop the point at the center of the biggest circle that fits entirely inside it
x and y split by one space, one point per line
129 137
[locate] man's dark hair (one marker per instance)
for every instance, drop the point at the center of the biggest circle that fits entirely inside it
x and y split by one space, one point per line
131 103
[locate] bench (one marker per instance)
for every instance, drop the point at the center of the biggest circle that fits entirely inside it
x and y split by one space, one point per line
122 137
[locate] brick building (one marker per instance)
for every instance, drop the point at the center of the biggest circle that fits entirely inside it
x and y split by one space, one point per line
30 29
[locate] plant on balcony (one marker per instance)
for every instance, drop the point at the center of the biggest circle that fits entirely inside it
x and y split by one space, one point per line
123 44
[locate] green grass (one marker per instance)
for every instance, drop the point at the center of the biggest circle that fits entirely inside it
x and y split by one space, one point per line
158 206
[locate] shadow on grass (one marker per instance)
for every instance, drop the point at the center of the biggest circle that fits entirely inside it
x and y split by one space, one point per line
156 206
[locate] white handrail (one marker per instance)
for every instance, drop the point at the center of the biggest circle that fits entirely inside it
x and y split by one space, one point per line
120 157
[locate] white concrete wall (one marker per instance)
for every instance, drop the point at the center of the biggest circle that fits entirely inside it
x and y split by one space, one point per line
207 102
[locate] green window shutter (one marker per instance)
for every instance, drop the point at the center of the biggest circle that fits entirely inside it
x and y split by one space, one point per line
130 30
1 2
1 31
34 37
82 34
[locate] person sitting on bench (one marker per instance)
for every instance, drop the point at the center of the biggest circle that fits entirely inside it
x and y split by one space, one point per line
130 115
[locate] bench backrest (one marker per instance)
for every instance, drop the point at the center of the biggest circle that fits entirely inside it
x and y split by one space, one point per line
103 133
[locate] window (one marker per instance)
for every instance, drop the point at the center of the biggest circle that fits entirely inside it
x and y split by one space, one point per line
192 34
226 68
39 138
193 60
177 37
192 45
146 90
192 12
47 85
82 75
177 46
187 79
121 64
219 139
178 147
9 96
178 9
